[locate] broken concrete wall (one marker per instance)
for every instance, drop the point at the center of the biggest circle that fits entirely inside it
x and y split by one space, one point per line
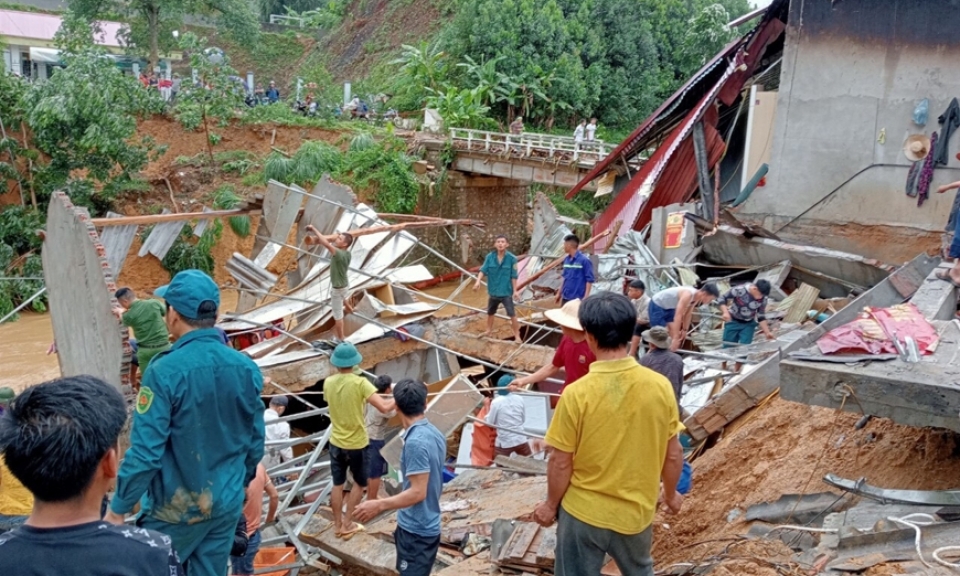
852 73
80 287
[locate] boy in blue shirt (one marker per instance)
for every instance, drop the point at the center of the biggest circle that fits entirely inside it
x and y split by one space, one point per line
500 268
417 537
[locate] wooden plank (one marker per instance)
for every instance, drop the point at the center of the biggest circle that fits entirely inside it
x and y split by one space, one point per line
167 217
80 287
518 544
803 300
548 547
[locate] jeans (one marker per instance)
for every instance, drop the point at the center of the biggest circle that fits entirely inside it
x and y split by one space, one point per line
582 548
955 244
244 564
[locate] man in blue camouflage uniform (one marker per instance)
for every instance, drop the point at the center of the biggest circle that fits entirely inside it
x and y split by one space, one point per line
197 433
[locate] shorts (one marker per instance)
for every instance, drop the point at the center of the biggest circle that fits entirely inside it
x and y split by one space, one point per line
639 329
415 554
955 244
494 302
660 316
337 297
738 332
376 465
519 450
341 460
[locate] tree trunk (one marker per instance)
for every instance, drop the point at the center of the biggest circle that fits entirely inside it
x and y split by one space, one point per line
206 133
153 22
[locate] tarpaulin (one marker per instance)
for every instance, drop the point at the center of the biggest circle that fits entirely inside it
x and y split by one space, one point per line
873 332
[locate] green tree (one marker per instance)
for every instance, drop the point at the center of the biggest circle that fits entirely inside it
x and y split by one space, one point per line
151 23
84 120
424 70
707 34
216 95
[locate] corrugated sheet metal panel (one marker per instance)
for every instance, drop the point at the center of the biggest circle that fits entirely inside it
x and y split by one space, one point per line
679 179
116 241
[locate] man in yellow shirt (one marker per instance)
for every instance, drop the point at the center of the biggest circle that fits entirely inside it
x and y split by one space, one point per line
346 394
16 501
612 439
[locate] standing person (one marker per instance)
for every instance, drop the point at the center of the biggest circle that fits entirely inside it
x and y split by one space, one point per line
592 130
637 293
272 94
339 247
275 455
484 445
346 394
516 127
674 307
417 536
61 439
577 272
661 360
16 502
253 515
500 268
197 432
578 133
612 440
507 413
378 427
744 307
953 275
145 317
573 354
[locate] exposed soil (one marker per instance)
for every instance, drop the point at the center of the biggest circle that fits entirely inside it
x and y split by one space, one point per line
787 448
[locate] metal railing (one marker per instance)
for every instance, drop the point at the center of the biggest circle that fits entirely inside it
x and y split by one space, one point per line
530 145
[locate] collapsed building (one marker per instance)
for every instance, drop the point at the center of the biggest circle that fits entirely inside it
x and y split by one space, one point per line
698 189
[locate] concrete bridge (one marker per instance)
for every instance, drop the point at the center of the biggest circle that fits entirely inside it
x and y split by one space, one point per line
527 157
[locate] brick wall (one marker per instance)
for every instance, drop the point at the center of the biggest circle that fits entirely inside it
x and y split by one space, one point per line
500 203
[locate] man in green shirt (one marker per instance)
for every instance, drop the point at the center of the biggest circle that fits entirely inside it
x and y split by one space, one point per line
145 317
500 268
346 394
339 247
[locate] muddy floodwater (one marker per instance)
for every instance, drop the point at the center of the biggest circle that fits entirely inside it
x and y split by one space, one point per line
23 351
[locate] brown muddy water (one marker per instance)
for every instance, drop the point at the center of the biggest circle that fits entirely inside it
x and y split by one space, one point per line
23 352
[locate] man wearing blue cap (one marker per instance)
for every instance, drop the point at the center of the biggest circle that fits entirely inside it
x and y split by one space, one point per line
197 432
346 394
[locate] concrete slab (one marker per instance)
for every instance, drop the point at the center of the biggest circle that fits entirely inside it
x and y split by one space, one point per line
936 299
80 286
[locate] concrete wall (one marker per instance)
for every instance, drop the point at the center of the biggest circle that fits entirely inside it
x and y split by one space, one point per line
500 203
853 71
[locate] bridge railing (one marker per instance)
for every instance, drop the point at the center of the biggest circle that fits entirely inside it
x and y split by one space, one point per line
530 145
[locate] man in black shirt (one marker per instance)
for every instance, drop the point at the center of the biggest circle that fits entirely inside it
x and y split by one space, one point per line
660 359
60 440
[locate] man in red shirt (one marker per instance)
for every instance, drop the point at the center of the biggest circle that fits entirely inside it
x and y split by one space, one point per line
573 354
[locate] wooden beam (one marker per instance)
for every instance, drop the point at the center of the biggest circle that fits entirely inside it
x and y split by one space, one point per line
161 218
399 227
559 260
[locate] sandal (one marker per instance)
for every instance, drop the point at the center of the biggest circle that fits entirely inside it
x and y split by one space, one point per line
945 276
348 535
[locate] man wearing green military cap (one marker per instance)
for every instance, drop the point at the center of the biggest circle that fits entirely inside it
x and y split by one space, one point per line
197 432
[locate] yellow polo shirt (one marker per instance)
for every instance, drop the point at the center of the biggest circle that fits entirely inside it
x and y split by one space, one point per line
15 500
346 396
616 422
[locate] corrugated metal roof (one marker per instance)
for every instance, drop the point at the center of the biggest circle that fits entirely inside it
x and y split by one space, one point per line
36 26
625 209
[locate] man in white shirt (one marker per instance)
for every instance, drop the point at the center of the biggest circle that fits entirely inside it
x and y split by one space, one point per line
507 413
276 431
592 130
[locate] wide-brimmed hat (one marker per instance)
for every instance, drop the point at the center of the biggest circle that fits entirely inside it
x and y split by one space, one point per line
345 355
916 147
658 336
566 316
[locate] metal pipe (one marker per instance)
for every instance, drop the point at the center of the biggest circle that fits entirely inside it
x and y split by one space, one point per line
521 432
310 463
23 305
